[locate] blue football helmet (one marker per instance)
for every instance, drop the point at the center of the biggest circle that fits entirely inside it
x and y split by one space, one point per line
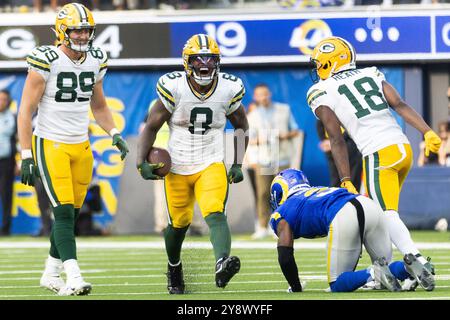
286 183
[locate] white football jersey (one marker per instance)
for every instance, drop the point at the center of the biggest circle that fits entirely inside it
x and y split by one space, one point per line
198 121
356 97
63 112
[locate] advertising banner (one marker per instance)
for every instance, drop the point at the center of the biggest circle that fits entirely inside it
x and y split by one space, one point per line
129 94
154 41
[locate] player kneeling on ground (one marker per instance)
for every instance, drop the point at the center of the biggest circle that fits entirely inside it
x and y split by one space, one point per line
348 220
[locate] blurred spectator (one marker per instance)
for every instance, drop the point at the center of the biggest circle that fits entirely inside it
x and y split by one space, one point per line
251 155
85 226
272 126
39 5
355 157
440 158
7 159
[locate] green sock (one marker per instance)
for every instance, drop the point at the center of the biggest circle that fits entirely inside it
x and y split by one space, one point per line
76 215
219 234
64 237
174 238
53 250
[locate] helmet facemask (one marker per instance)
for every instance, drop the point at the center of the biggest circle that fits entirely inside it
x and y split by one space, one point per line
77 46
314 65
204 68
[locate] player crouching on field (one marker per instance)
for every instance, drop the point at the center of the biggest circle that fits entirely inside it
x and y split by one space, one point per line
348 221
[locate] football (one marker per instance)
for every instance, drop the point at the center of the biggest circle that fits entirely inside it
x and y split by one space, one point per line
157 155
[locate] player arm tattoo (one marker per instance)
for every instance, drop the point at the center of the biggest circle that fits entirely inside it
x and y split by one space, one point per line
286 257
240 123
156 118
338 145
403 109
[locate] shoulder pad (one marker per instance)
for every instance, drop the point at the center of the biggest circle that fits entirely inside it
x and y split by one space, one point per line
167 84
314 92
99 53
42 57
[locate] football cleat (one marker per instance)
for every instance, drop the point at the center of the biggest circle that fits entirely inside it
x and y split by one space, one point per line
423 273
410 284
175 282
383 275
373 285
52 282
226 268
76 287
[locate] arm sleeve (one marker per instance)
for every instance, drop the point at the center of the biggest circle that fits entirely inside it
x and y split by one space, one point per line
164 91
289 267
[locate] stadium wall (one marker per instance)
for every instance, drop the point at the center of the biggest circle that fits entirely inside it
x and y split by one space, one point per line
271 47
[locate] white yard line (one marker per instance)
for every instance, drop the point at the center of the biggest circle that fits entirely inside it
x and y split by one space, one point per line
194 245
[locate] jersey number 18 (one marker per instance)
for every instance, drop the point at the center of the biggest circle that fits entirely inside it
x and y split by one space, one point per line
368 95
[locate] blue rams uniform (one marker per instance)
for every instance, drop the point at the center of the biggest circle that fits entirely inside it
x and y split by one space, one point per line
310 211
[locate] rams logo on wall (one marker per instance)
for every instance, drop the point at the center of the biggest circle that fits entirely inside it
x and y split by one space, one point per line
308 35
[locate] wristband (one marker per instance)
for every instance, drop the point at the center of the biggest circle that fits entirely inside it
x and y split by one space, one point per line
25 154
113 131
345 179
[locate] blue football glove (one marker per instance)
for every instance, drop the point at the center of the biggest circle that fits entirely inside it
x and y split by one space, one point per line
146 170
121 144
235 174
28 171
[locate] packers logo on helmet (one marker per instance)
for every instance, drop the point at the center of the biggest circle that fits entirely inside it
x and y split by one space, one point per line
330 56
74 16
201 58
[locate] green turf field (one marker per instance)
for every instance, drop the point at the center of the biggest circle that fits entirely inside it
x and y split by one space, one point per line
133 267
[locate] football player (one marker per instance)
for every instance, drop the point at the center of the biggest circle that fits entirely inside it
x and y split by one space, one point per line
348 221
196 104
360 100
63 82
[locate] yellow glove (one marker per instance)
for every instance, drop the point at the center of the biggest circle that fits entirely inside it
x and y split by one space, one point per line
432 142
347 184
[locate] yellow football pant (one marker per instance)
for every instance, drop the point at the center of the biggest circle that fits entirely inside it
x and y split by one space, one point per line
209 187
384 174
65 170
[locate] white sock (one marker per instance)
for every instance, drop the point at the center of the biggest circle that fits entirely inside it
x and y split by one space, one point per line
72 269
53 266
399 234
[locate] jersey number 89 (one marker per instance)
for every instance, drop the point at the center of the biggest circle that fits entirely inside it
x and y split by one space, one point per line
67 83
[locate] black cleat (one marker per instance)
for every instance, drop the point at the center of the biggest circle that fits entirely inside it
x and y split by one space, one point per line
226 268
175 282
